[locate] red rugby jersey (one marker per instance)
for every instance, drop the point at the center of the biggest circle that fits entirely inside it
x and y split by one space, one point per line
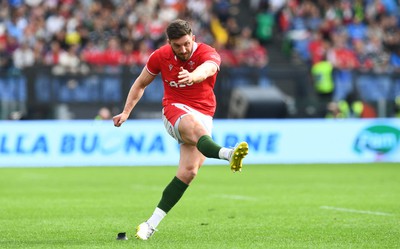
199 96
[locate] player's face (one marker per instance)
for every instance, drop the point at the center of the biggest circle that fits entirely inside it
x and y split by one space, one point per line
183 46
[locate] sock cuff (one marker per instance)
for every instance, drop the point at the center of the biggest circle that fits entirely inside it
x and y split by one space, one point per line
208 147
181 185
202 139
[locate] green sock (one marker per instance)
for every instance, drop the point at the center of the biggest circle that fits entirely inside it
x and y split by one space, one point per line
208 147
171 194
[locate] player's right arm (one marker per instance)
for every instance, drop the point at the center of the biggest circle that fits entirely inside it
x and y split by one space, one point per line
134 95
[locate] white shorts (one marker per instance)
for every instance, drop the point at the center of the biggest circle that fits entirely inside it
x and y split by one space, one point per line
172 115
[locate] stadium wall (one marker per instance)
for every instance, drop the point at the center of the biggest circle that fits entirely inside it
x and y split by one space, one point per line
145 142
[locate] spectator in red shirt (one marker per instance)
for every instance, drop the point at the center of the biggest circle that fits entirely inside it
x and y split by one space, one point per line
317 47
128 56
112 54
143 53
344 60
52 56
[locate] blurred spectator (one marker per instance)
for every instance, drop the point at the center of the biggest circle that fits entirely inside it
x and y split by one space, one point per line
357 30
391 36
60 37
23 56
219 31
15 115
395 59
138 29
277 5
350 107
397 107
39 50
127 57
395 65
143 53
200 9
221 10
52 56
391 6
228 57
103 114
317 47
344 60
69 62
54 23
364 62
5 58
156 27
324 85
12 44
168 10
113 53
91 54
248 50
264 25
17 24
3 33
234 31
253 55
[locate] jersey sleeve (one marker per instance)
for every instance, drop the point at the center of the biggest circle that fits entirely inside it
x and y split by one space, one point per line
211 55
153 63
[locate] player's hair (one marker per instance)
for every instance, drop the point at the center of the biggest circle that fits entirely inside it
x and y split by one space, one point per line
178 28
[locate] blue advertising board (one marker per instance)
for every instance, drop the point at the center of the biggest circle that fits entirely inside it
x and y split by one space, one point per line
145 142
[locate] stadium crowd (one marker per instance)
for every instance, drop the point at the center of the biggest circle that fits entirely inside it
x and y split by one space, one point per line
72 36
69 32
357 41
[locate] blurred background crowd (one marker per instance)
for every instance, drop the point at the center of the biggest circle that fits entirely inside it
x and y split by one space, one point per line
115 32
52 50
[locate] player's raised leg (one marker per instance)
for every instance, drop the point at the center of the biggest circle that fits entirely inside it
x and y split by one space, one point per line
235 155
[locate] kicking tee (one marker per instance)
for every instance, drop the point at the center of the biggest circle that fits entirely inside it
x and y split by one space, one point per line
200 96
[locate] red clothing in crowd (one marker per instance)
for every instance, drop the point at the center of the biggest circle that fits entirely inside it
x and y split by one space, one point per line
344 58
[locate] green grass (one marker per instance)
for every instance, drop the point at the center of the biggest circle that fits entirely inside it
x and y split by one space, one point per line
265 206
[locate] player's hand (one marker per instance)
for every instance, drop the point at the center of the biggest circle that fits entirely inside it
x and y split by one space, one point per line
119 119
185 77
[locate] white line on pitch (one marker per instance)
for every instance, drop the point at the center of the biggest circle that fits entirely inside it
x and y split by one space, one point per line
238 197
356 211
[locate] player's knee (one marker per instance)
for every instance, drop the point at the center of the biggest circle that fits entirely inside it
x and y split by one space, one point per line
189 174
192 174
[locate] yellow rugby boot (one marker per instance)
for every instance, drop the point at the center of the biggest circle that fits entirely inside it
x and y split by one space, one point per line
238 153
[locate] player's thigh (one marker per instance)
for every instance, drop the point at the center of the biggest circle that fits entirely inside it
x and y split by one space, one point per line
191 128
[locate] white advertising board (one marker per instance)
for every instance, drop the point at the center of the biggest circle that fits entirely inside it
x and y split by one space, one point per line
145 142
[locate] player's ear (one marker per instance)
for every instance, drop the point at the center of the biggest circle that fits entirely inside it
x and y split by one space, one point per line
169 41
193 38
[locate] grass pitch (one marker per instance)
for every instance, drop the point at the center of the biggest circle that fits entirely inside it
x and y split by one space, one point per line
265 206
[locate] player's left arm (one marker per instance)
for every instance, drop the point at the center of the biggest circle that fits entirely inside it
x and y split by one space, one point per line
202 72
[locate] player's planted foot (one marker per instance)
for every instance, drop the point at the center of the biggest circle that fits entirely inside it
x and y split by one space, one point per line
144 231
237 155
